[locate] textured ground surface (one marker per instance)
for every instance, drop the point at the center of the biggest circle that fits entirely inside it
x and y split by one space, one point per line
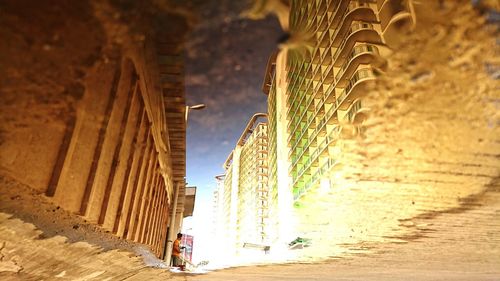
467 251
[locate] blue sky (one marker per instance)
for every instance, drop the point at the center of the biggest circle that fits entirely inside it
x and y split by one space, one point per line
226 60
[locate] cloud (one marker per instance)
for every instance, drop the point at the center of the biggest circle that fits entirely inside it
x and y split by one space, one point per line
197 80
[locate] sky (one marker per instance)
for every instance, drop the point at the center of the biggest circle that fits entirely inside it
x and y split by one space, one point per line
225 63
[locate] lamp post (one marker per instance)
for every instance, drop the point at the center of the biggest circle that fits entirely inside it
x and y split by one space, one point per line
193 107
172 232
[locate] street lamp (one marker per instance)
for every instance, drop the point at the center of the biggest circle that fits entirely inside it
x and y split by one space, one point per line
172 232
193 107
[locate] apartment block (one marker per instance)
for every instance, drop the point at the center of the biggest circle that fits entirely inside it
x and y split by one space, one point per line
326 83
342 50
241 201
315 85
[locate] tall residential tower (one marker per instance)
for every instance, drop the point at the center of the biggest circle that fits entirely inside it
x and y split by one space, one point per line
315 85
242 195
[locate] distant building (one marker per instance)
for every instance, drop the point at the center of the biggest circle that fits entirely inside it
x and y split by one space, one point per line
241 201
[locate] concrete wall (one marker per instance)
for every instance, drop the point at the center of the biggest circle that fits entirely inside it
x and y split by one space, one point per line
84 119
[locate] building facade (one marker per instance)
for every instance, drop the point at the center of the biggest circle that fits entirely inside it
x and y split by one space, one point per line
315 86
253 190
110 148
327 77
241 198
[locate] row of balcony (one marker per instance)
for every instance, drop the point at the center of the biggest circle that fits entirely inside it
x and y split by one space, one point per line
330 18
339 76
323 171
338 8
357 79
360 31
249 161
355 11
362 75
320 151
327 119
252 179
247 176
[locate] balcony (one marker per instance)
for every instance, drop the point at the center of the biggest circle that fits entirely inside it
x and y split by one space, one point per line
302 131
326 58
323 23
394 11
298 121
356 114
355 88
359 32
355 11
298 90
322 150
360 54
337 10
319 174
311 142
328 118
308 107
353 109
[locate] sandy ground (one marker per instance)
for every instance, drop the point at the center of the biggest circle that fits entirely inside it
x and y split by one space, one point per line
467 252
25 204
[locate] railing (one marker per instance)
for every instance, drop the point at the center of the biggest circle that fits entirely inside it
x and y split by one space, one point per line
309 100
356 106
356 50
321 20
352 6
360 74
329 114
309 120
323 121
325 168
324 144
354 27
364 48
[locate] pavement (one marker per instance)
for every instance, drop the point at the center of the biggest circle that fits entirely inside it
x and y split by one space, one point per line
461 246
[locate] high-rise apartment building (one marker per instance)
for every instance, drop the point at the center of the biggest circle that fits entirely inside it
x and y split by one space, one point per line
242 193
315 85
253 192
327 78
